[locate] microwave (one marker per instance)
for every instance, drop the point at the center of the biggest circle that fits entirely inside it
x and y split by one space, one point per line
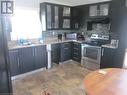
71 36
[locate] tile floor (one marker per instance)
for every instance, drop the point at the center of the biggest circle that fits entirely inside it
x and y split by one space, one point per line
63 79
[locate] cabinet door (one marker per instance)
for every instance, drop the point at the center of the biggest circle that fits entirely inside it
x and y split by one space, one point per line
104 9
66 23
107 58
56 17
75 17
41 59
93 10
66 52
55 53
49 16
26 56
14 62
76 52
43 16
66 11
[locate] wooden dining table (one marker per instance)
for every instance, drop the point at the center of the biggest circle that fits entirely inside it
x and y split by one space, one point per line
112 81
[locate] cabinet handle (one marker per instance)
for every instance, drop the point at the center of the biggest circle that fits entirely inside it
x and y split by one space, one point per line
66 43
75 53
102 52
52 25
76 49
35 52
76 58
14 51
66 48
18 62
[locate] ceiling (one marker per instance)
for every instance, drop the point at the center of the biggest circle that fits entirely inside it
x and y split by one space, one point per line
35 3
79 2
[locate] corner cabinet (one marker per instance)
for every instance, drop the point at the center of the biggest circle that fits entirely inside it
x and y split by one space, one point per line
54 16
66 51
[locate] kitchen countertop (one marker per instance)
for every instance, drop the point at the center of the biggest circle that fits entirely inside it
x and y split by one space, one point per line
109 46
53 41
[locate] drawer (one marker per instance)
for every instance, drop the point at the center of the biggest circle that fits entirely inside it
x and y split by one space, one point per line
65 45
76 59
77 54
77 50
90 65
76 45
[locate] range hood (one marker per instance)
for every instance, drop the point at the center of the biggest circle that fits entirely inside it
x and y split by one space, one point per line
92 21
99 20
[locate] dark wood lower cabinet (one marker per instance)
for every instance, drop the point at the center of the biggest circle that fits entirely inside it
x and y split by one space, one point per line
66 50
108 58
27 59
76 51
26 56
55 53
14 62
41 58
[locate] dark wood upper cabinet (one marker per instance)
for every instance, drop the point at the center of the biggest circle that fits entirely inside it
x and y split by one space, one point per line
54 16
93 10
49 19
99 10
104 10
66 11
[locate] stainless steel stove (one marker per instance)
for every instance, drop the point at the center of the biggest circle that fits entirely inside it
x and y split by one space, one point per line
91 51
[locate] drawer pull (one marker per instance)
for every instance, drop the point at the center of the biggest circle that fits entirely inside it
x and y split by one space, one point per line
18 62
76 48
75 53
66 48
76 43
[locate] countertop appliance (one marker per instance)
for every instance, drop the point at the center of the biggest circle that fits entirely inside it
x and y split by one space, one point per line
71 36
59 37
91 51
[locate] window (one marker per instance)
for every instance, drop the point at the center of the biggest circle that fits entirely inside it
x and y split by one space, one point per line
25 24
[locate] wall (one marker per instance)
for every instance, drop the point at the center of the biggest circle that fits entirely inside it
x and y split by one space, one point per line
35 3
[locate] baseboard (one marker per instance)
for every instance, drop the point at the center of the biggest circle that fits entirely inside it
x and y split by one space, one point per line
26 74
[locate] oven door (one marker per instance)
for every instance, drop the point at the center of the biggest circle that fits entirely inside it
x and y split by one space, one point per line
91 54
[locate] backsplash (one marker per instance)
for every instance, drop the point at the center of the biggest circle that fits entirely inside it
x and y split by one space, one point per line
96 28
53 33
